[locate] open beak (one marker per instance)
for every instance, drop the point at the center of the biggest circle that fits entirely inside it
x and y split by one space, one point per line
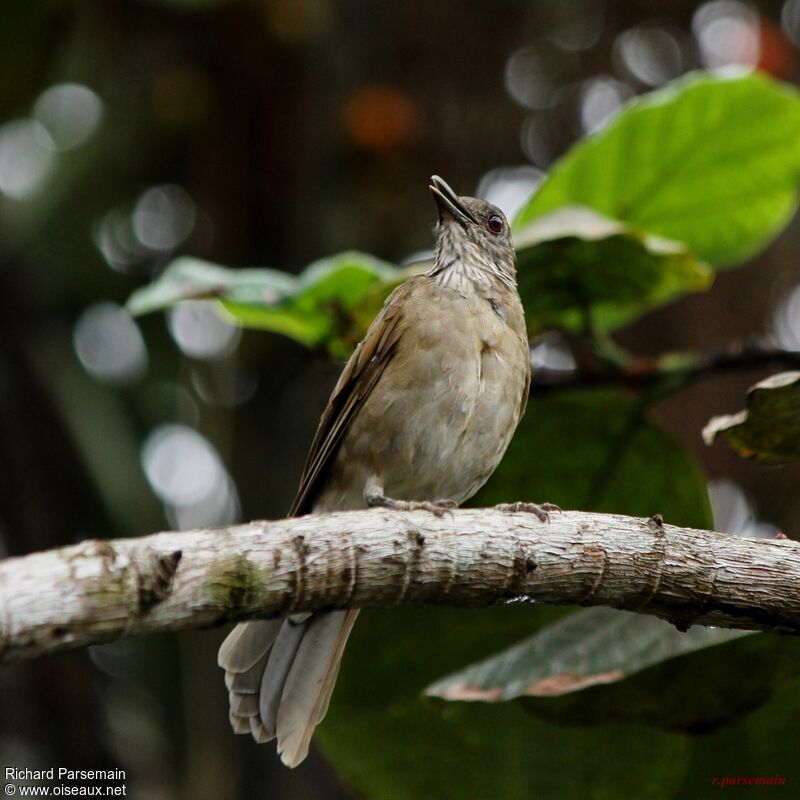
449 203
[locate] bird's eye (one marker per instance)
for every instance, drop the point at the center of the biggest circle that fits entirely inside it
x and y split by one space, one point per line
494 224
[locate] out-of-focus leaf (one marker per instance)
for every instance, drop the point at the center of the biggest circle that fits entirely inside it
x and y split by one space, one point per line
315 308
698 692
192 279
328 293
606 741
769 428
591 450
391 744
602 455
575 260
590 647
709 160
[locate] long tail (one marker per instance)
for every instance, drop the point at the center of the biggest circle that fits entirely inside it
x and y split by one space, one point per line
280 675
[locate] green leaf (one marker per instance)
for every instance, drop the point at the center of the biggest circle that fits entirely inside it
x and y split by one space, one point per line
192 279
316 308
590 647
599 665
769 428
602 455
709 160
389 743
322 309
575 260
698 691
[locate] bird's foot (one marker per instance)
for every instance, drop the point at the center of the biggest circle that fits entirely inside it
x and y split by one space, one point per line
437 507
541 510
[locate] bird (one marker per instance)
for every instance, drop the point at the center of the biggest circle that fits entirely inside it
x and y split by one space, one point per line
420 417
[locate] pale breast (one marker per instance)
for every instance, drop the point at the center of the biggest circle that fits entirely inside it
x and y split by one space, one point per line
443 412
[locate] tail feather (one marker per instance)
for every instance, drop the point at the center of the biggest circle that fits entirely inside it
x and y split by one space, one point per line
247 643
280 675
239 724
279 663
247 682
243 705
309 684
258 731
243 655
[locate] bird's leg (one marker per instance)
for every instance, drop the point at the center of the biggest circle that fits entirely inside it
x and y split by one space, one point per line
375 498
541 510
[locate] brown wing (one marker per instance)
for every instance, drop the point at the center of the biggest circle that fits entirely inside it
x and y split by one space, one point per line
357 380
524 403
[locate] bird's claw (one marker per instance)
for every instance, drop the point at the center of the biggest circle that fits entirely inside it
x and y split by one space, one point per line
540 510
437 507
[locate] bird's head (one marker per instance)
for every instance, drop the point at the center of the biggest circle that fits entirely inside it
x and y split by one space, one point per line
471 235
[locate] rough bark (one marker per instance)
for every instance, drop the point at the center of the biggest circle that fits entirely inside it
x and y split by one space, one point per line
97 591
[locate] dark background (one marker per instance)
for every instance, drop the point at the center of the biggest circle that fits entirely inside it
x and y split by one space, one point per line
272 133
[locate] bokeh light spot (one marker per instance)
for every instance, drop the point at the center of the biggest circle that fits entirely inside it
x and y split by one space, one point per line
70 112
381 117
115 239
572 24
651 54
539 139
109 344
550 351
790 21
223 383
601 98
180 464
727 32
201 332
786 320
186 472
533 75
733 512
26 158
509 187
163 217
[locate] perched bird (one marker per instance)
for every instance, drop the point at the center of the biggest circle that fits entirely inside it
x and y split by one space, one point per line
420 417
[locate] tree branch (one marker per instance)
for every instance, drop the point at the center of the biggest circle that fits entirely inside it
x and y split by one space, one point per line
668 372
98 591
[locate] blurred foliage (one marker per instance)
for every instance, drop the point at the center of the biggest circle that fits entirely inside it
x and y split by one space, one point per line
390 745
574 262
599 665
590 647
665 694
318 308
572 672
636 738
726 201
687 162
769 428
